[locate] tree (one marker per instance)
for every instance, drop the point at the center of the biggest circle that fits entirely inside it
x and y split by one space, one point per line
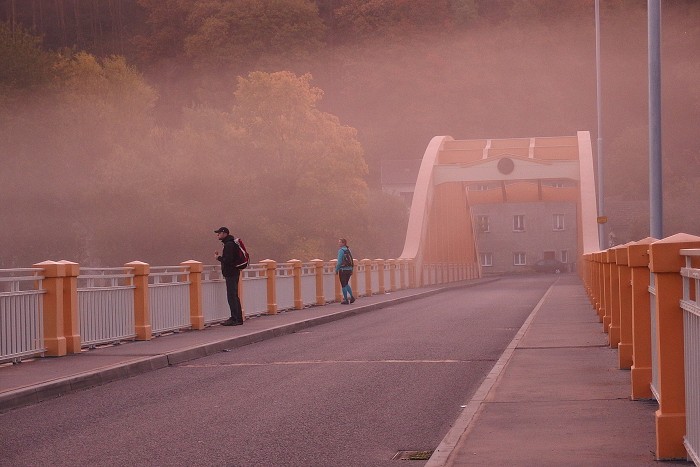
231 33
362 19
23 64
314 163
69 152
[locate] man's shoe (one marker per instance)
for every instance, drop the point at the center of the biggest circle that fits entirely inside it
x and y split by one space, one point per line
344 302
229 322
237 323
352 299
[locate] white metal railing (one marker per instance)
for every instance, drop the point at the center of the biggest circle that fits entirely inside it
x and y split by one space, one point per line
254 284
169 298
361 271
107 299
374 272
21 313
387 277
214 304
285 286
329 279
308 284
655 387
105 305
690 304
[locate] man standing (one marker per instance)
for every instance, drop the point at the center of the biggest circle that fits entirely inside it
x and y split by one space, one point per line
229 259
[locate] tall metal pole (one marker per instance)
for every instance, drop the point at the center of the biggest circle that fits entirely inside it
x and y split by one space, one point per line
655 166
601 197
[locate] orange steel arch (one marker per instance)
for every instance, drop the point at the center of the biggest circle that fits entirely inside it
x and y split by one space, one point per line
441 240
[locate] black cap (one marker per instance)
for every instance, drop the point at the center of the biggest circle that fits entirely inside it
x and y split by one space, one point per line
222 229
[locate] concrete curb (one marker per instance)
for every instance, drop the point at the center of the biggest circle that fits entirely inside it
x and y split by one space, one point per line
57 387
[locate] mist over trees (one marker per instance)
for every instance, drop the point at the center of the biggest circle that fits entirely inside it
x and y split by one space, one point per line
130 129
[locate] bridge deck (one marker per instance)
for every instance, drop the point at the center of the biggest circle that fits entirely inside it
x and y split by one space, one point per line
555 396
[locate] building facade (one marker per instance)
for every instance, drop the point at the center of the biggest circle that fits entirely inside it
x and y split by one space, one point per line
512 237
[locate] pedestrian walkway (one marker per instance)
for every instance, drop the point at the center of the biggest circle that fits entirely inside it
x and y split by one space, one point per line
555 397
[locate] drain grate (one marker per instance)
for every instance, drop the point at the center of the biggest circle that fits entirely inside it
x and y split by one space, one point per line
412 456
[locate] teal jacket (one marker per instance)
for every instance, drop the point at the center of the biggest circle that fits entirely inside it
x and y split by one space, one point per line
338 266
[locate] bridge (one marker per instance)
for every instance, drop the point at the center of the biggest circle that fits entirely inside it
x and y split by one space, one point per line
58 308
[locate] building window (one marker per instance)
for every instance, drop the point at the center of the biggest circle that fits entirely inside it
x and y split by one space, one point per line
519 223
483 223
558 221
519 259
486 259
564 256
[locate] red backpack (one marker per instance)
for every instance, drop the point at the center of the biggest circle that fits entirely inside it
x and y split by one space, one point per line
244 257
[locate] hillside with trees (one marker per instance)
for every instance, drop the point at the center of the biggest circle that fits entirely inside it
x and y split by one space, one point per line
130 128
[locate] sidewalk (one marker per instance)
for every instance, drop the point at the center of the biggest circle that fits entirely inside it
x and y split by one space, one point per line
556 397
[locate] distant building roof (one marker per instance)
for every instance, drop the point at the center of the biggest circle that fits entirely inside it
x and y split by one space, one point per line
400 171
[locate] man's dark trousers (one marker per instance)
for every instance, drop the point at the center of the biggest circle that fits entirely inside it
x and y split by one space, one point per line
234 303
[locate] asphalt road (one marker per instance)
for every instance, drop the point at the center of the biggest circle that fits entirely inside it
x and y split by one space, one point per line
348 393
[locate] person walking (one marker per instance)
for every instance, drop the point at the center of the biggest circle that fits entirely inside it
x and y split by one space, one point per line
229 258
344 270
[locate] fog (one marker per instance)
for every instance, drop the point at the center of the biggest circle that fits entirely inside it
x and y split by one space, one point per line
141 160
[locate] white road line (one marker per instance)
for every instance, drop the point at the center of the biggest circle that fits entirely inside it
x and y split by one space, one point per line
323 362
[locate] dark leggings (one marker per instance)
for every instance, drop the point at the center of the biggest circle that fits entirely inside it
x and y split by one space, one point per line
344 276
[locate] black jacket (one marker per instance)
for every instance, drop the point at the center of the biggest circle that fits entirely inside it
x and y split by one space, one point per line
229 257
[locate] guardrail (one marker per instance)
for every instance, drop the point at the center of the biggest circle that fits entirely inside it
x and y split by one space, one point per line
647 295
57 308
106 305
21 313
691 338
169 298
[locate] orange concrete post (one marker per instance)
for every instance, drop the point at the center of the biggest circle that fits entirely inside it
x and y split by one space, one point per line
600 288
624 347
614 329
587 274
318 270
638 260
595 285
380 274
391 263
296 277
607 295
142 310
54 339
354 280
367 263
71 313
666 262
195 269
271 276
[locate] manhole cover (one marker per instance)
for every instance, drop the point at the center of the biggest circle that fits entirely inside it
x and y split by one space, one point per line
412 456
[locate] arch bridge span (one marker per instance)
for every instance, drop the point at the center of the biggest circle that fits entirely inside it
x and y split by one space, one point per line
456 176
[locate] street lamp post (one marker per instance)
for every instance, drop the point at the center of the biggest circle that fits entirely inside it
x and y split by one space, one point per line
655 165
601 197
